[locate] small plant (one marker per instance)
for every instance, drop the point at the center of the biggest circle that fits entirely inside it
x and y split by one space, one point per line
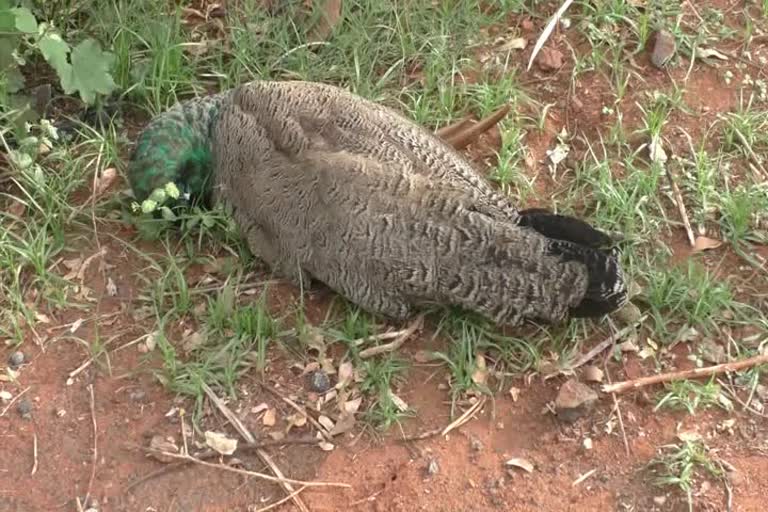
678 466
691 396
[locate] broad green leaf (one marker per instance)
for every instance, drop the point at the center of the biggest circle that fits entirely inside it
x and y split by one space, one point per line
90 71
7 18
55 51
25 20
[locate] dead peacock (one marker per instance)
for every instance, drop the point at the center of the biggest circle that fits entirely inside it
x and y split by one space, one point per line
326 185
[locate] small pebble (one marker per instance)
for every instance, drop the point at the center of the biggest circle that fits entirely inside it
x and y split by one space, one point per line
16 359
137 395
319 381
24 408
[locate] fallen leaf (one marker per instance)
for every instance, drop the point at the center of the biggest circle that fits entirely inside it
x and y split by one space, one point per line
76 325
111 287
220 442
296 420
520 463
270 418
261 407
326 446
558 154
149 344
345 424
480 375
550 59
103 182
163 444
689 436
346 371
514 393
399 402
352 406
326 422
703 243
705 53
656 151
593 374
628 346
518 43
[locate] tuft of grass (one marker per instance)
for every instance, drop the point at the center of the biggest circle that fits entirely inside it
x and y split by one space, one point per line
680 465
691 396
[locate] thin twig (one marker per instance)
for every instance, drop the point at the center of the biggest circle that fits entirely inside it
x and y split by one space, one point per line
249 437
610 340
280 502
397 343
13 400
34 454
213 454
695 373
95 454
583 477
750 152
263 476
464 418
681 208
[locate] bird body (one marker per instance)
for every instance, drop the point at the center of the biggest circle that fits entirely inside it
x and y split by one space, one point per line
329 186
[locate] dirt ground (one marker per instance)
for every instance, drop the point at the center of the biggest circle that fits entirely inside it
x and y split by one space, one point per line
85 432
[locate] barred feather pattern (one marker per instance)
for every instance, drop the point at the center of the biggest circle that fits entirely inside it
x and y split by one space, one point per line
328 186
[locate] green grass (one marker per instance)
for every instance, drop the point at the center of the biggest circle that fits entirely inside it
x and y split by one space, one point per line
423 64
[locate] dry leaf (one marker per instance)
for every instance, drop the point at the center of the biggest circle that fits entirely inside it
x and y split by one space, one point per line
149 344
518 43
399 402
163 444
345 424
514 393
352 406
326 422
480 375
346 371
703 243
705 53
261 407
593 374
270 418
628 346
220 442
111 287
103 182
76 325
296 420
520 463
325 446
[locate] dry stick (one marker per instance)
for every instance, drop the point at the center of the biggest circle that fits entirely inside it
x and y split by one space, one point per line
280 502
246 434
95 443
751 153
681 208
464 138
212 454
34 454
397 343
281 480
464 418
13 401
610 340
454 128
695 373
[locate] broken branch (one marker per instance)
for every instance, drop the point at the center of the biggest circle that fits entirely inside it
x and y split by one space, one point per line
695 373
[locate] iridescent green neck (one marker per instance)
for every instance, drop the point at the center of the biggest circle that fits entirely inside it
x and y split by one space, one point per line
176 147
